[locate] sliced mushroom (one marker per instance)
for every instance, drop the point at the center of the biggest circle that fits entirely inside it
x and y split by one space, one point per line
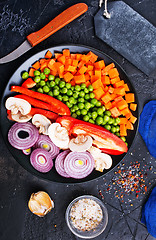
18 105
102 160
41 122
81 143
20 118
59 135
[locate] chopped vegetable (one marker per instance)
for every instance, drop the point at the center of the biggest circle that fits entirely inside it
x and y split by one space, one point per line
59 163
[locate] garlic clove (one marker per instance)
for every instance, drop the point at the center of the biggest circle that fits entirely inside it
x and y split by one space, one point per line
40 203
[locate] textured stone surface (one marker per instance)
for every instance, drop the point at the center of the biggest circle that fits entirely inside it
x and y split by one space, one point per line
18 19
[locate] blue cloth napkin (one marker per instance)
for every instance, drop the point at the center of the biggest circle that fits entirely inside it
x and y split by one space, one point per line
147 126
149 213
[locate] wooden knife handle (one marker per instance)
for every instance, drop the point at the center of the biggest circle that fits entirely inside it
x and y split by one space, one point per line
58 22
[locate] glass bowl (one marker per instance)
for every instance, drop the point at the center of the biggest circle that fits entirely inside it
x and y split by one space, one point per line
91 233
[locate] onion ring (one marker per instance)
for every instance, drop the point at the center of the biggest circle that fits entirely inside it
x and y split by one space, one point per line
23 143
41 160
45 142
59 163
79 164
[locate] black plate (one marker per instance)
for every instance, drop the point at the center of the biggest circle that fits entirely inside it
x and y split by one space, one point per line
16 79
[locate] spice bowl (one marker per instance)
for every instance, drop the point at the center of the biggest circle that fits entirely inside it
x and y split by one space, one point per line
86 216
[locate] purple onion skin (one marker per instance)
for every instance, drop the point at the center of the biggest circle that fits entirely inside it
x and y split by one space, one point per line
59 163
23 143
38 166
79 172
54 150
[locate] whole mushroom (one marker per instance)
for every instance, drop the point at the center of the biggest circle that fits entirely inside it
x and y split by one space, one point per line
41 122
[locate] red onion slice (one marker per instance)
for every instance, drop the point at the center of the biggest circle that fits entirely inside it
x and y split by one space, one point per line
45 143
59 163
79 164
41 160
19 142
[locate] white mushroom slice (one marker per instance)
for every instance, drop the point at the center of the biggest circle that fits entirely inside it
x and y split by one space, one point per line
41 122
20 118
18 105
81 143
59 135
102 160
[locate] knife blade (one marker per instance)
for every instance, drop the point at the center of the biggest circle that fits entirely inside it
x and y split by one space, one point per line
54 25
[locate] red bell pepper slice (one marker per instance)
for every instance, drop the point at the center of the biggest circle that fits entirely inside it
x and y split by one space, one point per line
111 151
100 134
29 83
67 121
35 102
58 106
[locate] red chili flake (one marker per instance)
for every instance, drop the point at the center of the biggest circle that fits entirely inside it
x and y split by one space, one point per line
145 188
137 195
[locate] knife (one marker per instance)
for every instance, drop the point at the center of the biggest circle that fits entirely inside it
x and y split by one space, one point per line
54 25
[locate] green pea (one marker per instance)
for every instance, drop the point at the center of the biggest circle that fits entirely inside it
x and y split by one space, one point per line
46 71
65 98
123 139
80 105
75 94
57 80
104 122
56 87
99 120
117 120
94 115
103 108
81 100
108 127
75 101
72 88
117 134
106 118
83 86
69 104
74 115
69 92
77 88
59 97
78 112
87 105
98 104
42 76
108 113
90 88
71 100
25 75
42 83
92 95
46 89
93 101
40 90
91 121
86 90
86 118
51 77
91 105
64 90
86 97
83 111
99 111
76 107
37 79
111 120
72 109
56 92
68 85
89 114
36 73
81 94
62 84
50 93
113 129
52 84
48 84
117 128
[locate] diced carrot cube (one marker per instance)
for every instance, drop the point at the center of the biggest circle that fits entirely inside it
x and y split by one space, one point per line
75 62
67 77
36 65
118 84
123 120
129 126
123 131
79 79
115 80
98 93
57 55
126 87
129 97
113 73
105 80
31 72
133 106
62 59
99 64
110 89
122 104
66 52
96 84
93 57
107 68
106 98
133 119
48 54
120 91
108 105
115 112
82 70
71 68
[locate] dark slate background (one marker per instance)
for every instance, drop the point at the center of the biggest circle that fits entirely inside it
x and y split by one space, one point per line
18 18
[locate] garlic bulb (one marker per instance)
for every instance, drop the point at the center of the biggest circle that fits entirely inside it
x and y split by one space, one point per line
40 203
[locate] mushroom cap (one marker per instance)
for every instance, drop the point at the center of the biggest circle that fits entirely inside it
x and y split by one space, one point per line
18 105
41 122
